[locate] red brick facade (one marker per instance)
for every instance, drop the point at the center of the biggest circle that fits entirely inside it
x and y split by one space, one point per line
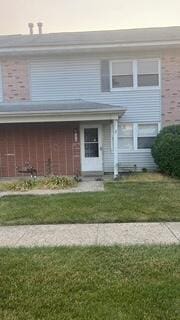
49 148
170 88
15 75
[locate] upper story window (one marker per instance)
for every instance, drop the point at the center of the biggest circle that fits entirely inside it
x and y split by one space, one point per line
148 73
122 74
134 74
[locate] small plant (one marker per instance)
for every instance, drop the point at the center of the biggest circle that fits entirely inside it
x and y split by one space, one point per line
53 182
57 182
22 185
144 170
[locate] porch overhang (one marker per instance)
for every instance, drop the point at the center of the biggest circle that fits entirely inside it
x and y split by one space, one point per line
58 111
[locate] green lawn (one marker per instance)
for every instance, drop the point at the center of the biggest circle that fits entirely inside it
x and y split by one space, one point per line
90 283
132 199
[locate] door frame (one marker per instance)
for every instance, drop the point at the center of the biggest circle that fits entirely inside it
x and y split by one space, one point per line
100 146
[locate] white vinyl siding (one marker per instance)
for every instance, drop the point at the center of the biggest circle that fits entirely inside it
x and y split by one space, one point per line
79 78
64 79
1 87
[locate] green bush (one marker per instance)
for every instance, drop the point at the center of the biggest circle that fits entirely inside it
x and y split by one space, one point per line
53 182
166 150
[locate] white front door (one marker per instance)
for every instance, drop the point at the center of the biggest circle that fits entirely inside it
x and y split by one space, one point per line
91 148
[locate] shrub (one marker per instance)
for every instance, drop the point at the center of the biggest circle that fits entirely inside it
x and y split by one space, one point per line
21 185
166 150
54 182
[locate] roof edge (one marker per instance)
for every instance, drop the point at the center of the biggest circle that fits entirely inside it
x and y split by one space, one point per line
73 48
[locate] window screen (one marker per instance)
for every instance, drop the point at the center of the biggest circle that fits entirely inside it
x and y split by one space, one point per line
148 73
146 135
91 143
122 74
125 138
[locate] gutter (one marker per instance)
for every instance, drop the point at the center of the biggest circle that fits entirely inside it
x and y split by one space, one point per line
87 47
42 117
63 113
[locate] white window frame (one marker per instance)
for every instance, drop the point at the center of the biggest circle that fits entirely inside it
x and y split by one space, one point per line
110 67
135 137
130 137
135 74
136 134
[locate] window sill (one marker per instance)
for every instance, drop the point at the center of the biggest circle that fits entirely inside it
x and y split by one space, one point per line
134 89
134 151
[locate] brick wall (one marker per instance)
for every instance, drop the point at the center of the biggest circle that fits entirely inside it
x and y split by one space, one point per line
171 87
15 76
50 148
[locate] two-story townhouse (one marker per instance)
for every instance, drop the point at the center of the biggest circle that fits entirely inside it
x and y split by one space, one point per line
86 102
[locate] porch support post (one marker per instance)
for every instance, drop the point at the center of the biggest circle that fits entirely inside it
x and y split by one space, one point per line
115 127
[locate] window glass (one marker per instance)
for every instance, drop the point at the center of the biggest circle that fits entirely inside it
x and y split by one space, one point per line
122 68
122 74
126 130
146 135
145 142
125 140
91 135
148 73
91 150
91 144
146 130
147 67
125 143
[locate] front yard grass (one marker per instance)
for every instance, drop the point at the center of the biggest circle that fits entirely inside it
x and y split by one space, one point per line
136 198
130 283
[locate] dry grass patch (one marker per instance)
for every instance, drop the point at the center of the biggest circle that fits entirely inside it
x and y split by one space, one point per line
147 177
52 183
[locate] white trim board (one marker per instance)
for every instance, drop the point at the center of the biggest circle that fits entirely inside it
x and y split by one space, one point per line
42 117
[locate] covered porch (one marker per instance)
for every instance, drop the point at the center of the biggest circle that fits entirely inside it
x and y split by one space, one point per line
61 138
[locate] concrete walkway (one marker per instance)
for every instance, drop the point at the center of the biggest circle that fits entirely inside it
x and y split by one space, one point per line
90 234
84 186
